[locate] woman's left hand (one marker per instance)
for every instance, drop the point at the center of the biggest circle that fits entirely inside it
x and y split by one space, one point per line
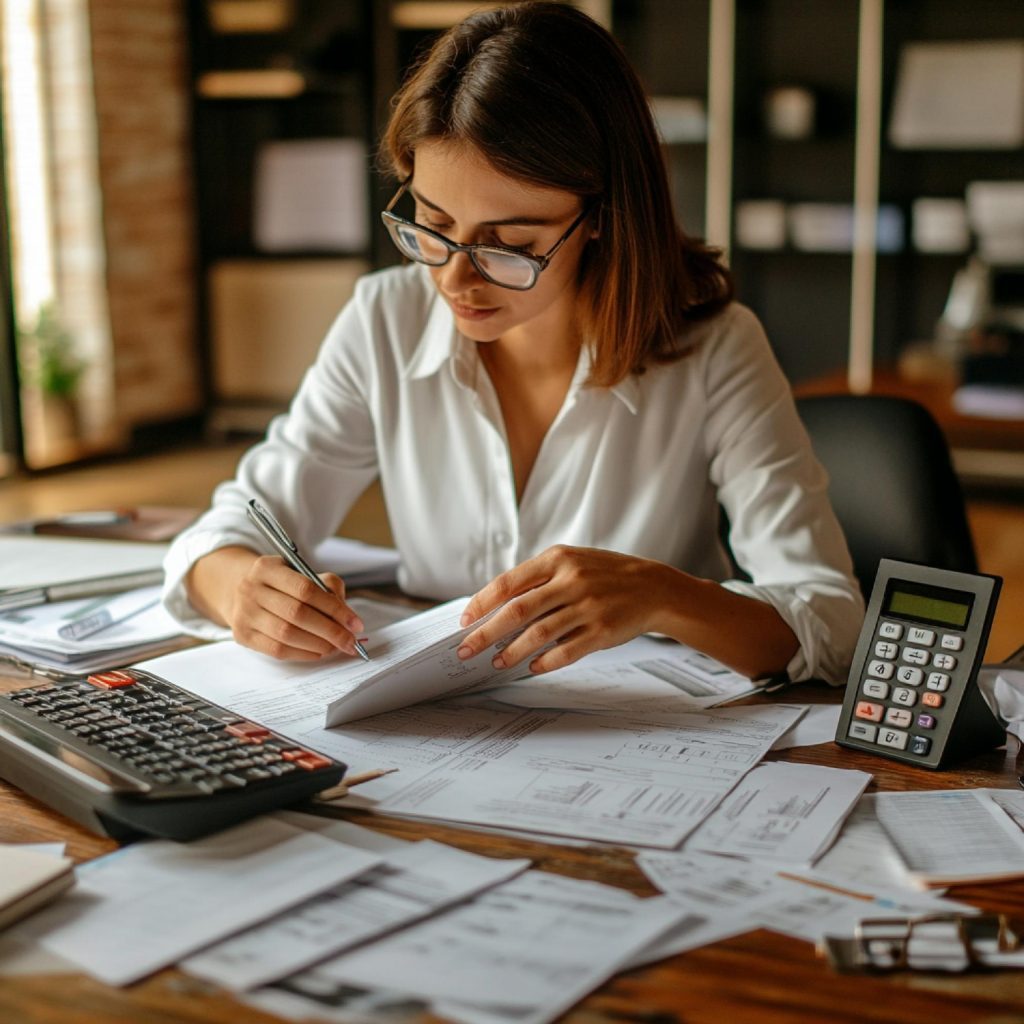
578 599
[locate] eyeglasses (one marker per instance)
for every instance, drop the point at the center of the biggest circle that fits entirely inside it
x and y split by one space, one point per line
507 268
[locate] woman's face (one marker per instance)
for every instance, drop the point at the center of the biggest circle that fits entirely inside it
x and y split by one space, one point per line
463 197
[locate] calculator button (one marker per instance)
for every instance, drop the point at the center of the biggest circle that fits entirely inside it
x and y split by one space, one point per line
944 661
893 738
112 680
866 710
938 681
915 655
881 669
890 630
905 697
932 700
863 731
925 721
951 642
875 688
909 676
898 716
920 745
924 637
886 649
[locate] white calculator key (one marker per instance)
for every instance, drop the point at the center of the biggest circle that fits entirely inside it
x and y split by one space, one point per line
893 738
924 637
909 676
875 688
938 681
905 697
881 669
886 649
899 717
944 661
890 630
951 642
915 656
863 731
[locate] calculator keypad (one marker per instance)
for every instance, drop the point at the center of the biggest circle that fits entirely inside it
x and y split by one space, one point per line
909 668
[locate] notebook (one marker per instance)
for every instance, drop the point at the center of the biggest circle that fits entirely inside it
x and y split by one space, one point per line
29 879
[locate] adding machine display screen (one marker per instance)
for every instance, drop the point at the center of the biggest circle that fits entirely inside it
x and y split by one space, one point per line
941 607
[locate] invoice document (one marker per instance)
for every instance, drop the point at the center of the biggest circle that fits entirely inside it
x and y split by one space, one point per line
526 950
145 906
647 781
413 882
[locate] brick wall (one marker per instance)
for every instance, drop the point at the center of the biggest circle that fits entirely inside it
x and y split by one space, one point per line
141 82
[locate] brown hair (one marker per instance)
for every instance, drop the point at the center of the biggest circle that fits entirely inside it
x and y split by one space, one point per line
548 97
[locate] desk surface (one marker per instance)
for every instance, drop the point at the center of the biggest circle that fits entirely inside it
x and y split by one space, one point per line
755 978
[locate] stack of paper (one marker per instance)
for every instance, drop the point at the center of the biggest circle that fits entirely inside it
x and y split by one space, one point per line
29 879
358 564
89 633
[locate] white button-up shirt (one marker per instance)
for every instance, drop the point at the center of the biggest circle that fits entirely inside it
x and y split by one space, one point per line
397 393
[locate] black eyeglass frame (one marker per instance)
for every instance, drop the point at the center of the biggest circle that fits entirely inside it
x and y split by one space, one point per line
538 261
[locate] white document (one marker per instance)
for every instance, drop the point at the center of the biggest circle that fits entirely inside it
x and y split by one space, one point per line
644 781
411 661
412 883
863 857
530 948
644 676
781 812
290 698
31 561
951 836
726 887
147 905
817 725
1011 801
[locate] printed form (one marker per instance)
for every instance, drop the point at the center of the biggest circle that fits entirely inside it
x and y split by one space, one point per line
525 951
415 881
642 781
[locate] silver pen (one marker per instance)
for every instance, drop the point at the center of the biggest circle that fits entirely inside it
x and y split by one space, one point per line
287 549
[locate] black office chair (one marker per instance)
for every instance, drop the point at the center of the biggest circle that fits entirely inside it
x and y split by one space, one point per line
892 484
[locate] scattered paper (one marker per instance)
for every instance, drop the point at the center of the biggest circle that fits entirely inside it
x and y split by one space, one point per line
413 882
951 836
648 781
781 812
530 948
147 905
817 725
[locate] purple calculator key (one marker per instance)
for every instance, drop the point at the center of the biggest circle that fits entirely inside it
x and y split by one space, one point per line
926 721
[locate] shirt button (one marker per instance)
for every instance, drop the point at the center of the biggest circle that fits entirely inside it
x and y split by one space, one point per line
503 539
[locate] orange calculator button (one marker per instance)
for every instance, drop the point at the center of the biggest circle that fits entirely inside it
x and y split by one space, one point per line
868 710
932 700
111 680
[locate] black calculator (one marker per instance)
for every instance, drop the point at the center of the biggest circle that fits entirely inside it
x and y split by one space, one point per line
912 693
128 754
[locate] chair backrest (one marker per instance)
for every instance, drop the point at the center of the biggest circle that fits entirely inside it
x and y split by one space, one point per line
892 482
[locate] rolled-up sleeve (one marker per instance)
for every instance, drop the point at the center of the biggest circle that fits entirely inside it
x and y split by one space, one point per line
783 532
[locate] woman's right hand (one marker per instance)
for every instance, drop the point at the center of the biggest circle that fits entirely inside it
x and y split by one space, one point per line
270 607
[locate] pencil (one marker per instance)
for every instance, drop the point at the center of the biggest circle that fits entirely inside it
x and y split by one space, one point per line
336 792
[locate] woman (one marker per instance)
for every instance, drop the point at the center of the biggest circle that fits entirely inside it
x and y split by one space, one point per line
556 394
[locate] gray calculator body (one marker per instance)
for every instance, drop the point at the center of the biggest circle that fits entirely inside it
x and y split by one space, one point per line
912 693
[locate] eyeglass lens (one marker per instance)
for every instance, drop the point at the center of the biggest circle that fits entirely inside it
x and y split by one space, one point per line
502 268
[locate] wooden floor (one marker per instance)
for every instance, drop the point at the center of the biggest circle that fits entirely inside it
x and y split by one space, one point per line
188 477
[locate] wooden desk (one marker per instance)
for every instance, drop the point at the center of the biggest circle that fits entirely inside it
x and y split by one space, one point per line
757 978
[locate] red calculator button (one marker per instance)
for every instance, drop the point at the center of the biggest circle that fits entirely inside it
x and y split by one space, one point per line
932 700
313 761
294 755
867 710
248 731
112 680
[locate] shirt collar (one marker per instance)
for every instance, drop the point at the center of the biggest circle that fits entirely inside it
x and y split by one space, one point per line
441 343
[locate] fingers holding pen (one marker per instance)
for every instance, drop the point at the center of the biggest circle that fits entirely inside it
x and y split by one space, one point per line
293 612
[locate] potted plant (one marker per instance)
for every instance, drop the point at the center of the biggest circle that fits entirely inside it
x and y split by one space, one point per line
51 370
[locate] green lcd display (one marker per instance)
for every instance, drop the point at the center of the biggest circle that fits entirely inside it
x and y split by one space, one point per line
928 607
